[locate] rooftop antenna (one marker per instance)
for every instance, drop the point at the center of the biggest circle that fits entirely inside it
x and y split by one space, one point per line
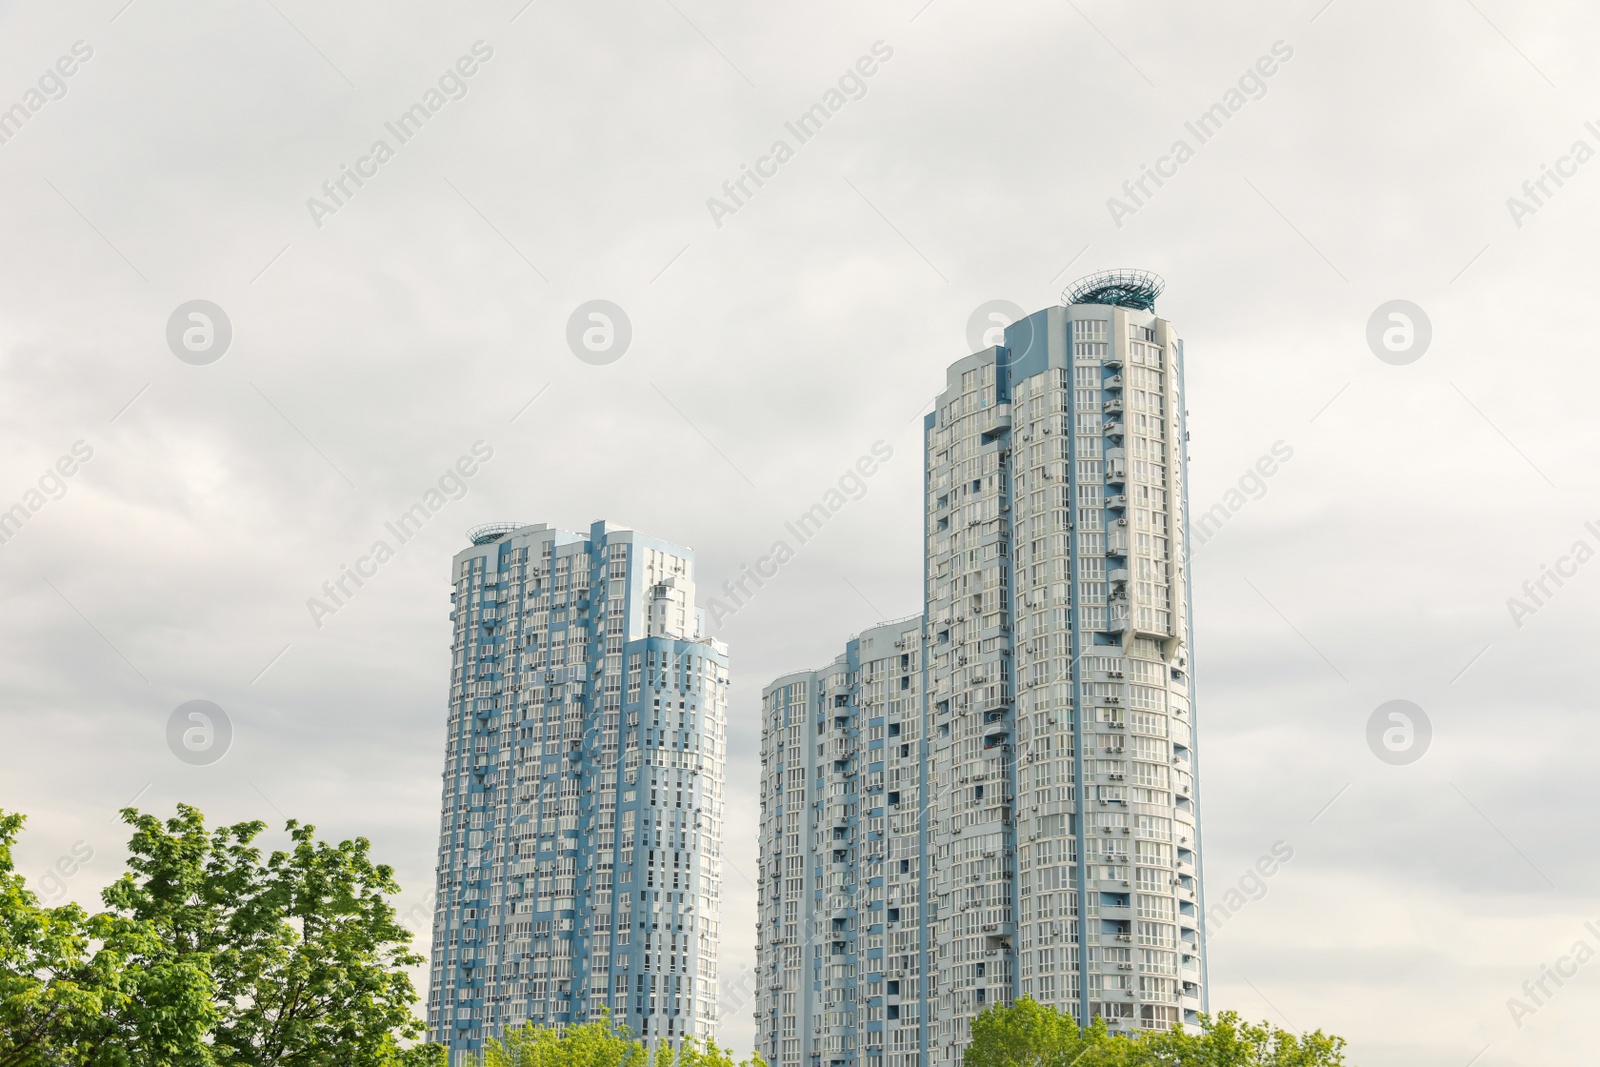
1123 287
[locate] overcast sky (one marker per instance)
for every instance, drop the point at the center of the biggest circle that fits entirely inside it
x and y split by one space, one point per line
376 338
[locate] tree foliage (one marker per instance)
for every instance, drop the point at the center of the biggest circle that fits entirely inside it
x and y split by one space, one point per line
601 1043
211 956
91 990
1029 1034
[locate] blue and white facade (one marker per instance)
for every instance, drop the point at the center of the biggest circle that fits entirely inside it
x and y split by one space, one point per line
1028 823
581 824
842 832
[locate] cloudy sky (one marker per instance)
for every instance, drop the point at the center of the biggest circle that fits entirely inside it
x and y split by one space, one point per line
378 334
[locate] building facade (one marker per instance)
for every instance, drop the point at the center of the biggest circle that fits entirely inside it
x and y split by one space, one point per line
581 817
1039 811
841 884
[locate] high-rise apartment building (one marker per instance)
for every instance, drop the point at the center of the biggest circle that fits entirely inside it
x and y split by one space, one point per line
997 798
581 824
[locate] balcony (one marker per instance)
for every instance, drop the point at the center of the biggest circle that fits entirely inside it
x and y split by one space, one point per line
995 420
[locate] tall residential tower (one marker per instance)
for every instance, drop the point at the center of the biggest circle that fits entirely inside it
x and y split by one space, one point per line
997 798
581 824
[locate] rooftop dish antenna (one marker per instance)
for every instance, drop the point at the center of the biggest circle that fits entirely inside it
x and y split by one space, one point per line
1123 288
491 531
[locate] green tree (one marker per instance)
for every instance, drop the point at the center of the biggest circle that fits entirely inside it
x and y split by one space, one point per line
98 991
1026 1034
304 952
601 1043
1029 1034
